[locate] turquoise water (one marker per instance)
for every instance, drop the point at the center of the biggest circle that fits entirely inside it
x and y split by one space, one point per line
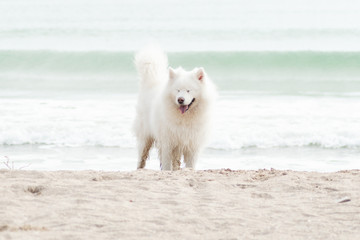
277 72
288 77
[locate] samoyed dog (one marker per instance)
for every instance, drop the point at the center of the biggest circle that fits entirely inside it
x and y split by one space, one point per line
173 110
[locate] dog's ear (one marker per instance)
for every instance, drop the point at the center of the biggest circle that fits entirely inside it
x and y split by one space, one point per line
200 73
172 73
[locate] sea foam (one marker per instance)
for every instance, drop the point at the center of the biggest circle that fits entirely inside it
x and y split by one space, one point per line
241 122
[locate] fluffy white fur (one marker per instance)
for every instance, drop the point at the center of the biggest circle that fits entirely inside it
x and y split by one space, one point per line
173 111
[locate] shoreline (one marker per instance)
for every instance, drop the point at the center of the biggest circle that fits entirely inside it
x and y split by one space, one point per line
185 204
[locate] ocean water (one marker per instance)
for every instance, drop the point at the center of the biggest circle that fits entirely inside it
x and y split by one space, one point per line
288 77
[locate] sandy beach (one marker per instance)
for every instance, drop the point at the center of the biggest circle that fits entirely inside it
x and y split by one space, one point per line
186 204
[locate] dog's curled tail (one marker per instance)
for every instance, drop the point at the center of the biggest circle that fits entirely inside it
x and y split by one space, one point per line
151 64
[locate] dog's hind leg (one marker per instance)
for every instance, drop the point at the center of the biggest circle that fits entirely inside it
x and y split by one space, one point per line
144 147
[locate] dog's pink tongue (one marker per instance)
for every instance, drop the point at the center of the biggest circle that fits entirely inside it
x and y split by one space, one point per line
183 108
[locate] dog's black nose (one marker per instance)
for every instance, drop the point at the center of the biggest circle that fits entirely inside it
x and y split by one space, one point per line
181 100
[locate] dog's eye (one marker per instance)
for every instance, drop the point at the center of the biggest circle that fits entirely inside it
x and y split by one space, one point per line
178 90
188 90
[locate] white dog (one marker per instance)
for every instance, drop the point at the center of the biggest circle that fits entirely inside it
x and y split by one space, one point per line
173 111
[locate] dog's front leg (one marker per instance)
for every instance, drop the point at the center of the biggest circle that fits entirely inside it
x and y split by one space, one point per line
176 158
166 159
190 157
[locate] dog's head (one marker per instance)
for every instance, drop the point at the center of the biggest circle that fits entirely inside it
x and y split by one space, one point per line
186 87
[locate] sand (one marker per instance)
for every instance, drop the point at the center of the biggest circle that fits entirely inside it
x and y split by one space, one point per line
147 204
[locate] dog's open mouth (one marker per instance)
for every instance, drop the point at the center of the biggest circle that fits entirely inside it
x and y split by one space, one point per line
184 108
